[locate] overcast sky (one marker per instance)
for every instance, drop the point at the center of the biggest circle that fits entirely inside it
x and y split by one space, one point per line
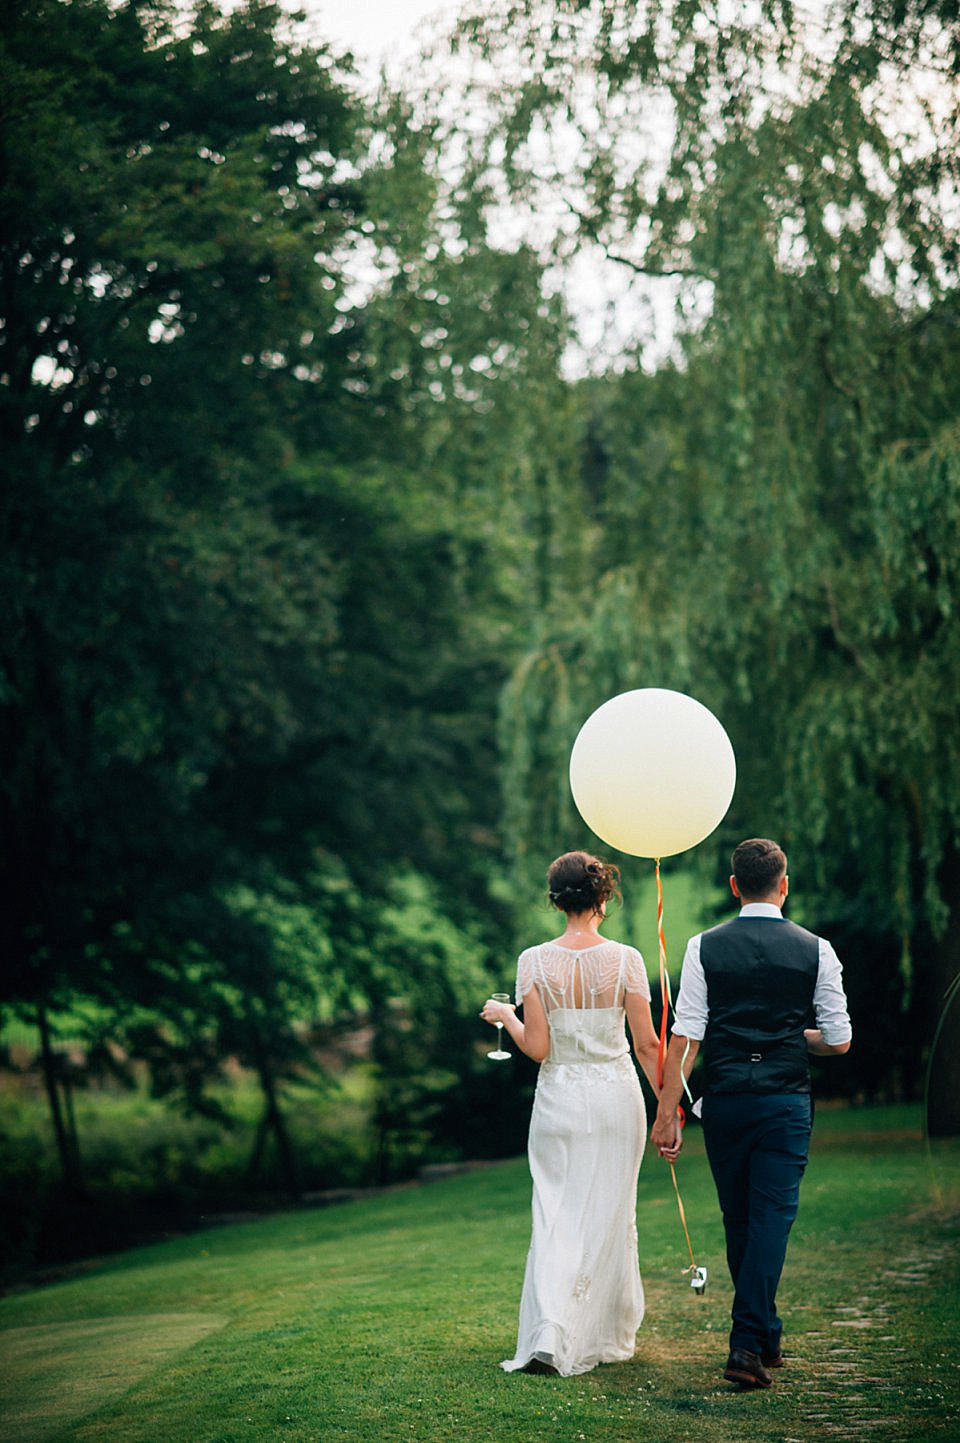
377 30
610 308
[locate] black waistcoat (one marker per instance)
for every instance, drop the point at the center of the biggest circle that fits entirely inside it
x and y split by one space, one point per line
761 973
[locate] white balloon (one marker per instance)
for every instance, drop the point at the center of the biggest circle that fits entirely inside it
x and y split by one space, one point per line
652 772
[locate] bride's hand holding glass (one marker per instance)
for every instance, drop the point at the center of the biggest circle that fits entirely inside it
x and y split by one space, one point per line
495 1011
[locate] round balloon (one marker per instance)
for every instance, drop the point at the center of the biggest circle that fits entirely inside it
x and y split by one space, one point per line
652 772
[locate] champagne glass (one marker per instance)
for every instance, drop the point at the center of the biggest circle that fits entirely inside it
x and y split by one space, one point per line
499 1055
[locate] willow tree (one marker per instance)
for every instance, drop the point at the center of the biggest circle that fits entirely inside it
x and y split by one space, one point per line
778 505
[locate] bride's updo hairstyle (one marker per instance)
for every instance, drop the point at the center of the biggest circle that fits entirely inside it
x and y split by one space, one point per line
577 882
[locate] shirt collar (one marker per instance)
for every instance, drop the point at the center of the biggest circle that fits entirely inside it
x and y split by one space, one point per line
761 909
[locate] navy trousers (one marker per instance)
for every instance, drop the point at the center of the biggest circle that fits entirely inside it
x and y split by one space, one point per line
757 1146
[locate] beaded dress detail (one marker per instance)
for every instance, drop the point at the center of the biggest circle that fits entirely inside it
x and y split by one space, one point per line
582 1299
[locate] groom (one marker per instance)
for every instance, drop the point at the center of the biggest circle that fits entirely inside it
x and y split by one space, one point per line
747 991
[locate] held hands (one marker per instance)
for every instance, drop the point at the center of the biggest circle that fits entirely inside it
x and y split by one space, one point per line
667 1137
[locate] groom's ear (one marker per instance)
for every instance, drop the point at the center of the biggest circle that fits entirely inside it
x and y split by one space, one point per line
734 888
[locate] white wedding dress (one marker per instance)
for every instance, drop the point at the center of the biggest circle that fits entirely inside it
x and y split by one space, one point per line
582 1297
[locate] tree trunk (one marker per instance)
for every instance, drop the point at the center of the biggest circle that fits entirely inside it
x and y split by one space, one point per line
256 1152
943 1033
73 1137
273 1120
68 1153
382 1134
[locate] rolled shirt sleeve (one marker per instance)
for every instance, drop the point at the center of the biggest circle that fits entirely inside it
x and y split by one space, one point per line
829 1000
690 1013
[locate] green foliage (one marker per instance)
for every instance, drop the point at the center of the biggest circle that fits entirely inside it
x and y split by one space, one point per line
258 591
155 596
303 522
775 508
150 1168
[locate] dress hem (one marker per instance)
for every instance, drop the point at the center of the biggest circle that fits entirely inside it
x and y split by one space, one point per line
571 1370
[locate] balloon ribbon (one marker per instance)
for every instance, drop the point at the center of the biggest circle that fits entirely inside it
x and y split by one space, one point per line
667 1003
683 1219
664 981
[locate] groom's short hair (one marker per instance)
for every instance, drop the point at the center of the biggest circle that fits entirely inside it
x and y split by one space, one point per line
758 864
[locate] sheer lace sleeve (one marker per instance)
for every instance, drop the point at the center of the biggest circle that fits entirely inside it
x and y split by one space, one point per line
635 973
526 973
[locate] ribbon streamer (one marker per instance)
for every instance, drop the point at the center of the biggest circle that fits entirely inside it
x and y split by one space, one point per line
667 1005
683 1219
664 981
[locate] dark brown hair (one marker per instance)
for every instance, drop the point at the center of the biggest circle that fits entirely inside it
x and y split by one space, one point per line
757 865
578 882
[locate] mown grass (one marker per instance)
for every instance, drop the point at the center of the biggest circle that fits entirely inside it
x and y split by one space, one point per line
385 1320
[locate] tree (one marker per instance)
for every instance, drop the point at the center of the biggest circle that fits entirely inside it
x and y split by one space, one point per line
152 272
257 597
767 500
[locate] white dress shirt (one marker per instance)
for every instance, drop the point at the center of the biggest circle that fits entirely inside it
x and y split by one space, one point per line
829 1003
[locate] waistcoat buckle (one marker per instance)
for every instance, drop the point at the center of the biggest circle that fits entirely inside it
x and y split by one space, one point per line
756 1057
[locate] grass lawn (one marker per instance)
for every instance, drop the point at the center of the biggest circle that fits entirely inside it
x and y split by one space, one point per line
384 1320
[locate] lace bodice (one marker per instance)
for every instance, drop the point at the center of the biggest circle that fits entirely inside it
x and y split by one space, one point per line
583 996
585 979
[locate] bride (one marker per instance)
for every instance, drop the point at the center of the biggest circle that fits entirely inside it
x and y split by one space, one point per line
582 1299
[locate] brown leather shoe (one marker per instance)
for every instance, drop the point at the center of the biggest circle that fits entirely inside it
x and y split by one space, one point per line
746 1369
772 1360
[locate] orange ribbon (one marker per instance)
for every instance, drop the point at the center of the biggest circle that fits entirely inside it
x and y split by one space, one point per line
664 981
683 1219
662 1051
